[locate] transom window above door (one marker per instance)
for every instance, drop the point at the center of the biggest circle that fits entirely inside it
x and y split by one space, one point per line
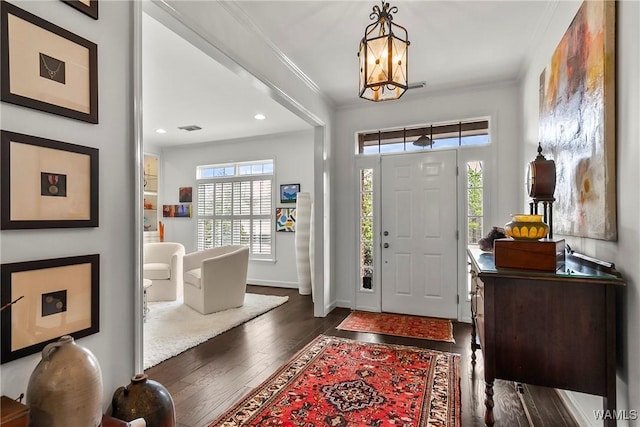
426 137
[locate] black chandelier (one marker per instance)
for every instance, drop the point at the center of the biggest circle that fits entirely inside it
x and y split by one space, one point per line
383 57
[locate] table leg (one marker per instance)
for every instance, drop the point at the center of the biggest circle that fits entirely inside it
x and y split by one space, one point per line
473 339
488 403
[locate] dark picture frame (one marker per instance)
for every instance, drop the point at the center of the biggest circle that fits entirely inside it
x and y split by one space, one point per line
46 183
59 296
288 193
46 67
185 194
90 9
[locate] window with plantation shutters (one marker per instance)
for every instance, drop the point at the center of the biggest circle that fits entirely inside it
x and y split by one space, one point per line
235 206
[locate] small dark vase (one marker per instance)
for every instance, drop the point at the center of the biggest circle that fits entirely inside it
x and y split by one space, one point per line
144 398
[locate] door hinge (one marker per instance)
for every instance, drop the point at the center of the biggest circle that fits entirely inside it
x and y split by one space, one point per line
457 299
457 235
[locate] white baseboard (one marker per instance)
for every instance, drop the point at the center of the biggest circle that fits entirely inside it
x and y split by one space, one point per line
329 308
568 398
273 283
342 303
372 309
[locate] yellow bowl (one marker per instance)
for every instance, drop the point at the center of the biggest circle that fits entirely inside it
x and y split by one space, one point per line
526 227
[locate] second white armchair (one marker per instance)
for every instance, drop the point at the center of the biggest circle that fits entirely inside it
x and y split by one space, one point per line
216 279
163 266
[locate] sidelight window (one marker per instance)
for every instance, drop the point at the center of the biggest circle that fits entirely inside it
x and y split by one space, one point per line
474 202
475 208
366 228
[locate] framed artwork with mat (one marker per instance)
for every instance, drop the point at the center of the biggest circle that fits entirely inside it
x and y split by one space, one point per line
88 7
46 67
47 183
59 296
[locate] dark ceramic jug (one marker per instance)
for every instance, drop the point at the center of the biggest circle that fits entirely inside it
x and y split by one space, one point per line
144 398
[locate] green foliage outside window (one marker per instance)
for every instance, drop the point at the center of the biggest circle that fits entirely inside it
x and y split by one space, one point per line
366 222
474 194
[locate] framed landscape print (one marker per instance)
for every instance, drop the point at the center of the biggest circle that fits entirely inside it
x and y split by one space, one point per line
56 297
46 67
289 193
88 7
47 183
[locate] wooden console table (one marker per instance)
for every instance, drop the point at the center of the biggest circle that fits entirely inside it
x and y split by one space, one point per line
549 329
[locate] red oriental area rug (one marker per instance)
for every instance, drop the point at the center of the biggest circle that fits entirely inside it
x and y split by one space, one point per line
340 382
400 325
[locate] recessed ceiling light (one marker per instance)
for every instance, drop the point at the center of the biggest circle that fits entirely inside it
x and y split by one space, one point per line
161 131
259 116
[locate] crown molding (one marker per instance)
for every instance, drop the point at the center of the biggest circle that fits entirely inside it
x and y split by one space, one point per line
235 10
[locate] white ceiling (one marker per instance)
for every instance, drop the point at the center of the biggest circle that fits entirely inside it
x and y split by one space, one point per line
182 86
454 43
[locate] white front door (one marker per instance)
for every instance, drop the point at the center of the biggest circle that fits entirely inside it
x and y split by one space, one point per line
419 234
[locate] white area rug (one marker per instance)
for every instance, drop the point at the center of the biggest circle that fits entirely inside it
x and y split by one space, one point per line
173 327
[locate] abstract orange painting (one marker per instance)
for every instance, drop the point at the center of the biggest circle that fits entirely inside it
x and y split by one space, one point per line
577 123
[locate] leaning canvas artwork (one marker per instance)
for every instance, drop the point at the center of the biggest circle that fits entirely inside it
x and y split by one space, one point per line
577 123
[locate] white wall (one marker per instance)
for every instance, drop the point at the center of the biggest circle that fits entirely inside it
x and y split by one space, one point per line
626 251
113 239
499 102
293 156
244 49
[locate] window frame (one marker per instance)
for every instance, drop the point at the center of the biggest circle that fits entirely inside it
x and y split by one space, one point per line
370 194
232 172
468 193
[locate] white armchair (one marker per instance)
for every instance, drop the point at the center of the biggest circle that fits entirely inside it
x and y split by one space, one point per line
163 266
216 279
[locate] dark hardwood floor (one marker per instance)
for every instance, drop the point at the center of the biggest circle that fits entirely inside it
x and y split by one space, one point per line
206 380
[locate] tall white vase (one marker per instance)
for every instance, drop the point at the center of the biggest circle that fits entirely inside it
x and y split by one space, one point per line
312 251
303 218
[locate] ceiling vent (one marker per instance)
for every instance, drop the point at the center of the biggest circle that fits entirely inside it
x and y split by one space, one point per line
189 128
418 85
